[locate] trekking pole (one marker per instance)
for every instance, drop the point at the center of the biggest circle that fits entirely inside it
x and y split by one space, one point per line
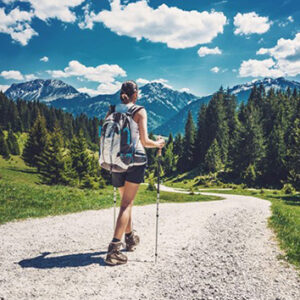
114 207
157 199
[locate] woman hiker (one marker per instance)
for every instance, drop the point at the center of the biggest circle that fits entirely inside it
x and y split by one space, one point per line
128 182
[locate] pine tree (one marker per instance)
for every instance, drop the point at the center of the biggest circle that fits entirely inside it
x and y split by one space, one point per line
168 158
213 162
52 162
80 157
36 142
293 155
189 143
201 143
4 151
151 152
250 147
12 143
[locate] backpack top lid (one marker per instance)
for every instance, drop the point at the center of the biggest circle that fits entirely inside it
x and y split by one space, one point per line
124 108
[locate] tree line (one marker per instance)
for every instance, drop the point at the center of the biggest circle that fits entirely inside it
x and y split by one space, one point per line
20 115
59 145
257 143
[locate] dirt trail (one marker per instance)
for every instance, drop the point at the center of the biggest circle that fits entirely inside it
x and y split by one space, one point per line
210 250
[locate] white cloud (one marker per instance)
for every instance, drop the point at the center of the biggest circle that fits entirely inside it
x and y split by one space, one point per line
249 23
262 68
187 90
4 87
175 27
103 73
109 87
205 51
86 90
284 48
12 74
89 18
59 9
44 59
290 18
163 81
30 77
284 61
103 88
16 75
215 69
17 24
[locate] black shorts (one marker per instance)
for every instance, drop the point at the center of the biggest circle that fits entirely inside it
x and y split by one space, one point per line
134 174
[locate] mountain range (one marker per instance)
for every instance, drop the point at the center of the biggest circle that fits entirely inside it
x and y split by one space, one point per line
167 108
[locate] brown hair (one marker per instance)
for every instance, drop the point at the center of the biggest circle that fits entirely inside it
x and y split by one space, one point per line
127 90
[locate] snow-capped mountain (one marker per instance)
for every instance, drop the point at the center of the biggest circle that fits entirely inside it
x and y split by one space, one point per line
43 90
242 91
160 102
167 108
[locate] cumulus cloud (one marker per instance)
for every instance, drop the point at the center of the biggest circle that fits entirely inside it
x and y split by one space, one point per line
170 25
12 74
249 23
16 23
16 75
103 73
215 69
163 81
59 9
44 59
3 87
262 68
205 51
30 77
284 61
187 90
103 88
88 91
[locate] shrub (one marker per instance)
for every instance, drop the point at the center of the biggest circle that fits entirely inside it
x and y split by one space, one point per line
262 191
192 190
243 186
288 189
151 185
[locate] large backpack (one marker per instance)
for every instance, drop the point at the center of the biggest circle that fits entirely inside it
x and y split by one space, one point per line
117 152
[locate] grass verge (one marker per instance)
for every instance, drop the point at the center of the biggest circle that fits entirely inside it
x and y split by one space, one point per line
23 196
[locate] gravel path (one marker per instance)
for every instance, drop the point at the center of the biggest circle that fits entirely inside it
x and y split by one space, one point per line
210 250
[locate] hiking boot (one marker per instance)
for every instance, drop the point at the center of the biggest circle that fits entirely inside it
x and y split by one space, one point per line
114 255
132 241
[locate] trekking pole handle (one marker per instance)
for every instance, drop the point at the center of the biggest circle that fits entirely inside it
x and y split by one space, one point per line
159 151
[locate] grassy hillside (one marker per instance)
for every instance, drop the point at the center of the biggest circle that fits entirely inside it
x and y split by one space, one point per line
22 195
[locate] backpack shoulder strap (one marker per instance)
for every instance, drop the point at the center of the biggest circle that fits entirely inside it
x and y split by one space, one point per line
112 108
134 108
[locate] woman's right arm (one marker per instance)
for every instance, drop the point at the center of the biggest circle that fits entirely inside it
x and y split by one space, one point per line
142 123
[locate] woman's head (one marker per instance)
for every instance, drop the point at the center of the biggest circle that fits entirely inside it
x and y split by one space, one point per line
129 91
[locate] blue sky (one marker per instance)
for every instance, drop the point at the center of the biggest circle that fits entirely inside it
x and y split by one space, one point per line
192 45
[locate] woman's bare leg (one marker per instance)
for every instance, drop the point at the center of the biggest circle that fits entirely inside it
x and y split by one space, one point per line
130 190
129 225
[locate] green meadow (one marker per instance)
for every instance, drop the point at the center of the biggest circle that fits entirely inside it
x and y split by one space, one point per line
22 195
